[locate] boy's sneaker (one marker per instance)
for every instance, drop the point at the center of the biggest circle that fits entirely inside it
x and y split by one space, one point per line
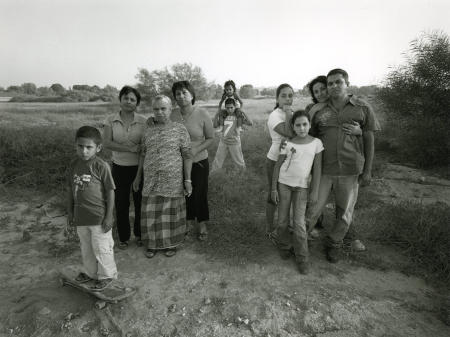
358 246
101 284
303 267
332 254
83 278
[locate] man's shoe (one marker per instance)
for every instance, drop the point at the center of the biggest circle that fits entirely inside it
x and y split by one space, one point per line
332 254
358 246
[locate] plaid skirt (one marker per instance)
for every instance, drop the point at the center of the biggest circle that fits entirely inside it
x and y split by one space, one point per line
163 221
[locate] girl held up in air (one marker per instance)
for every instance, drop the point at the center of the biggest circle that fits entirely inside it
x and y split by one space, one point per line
229 91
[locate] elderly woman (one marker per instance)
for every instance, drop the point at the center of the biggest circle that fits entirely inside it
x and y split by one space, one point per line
166 164
199 125
122 135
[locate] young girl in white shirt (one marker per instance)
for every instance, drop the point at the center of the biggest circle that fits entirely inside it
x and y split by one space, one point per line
292 185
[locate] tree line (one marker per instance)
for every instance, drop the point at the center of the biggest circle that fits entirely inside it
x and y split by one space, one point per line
415 97
29 92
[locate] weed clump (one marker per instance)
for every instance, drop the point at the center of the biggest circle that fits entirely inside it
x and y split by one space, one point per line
422 231
36 156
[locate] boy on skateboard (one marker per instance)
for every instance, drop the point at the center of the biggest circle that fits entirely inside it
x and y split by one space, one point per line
90 208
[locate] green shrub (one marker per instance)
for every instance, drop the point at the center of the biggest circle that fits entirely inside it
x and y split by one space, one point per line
416 97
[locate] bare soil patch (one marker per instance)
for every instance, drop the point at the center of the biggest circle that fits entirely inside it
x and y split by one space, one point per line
207 289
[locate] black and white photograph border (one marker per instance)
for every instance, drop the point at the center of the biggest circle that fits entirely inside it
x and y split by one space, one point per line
224 168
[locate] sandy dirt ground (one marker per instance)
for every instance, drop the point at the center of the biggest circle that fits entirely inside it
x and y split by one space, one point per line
197 294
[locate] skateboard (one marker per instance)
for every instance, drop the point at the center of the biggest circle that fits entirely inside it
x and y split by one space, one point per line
114 293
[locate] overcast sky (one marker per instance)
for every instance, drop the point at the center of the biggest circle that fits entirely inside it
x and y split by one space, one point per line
259 42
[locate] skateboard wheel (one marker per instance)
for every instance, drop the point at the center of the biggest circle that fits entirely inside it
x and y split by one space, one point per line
100 304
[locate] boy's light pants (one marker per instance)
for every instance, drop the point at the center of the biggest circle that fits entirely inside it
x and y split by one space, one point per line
97 252
345 189
221 154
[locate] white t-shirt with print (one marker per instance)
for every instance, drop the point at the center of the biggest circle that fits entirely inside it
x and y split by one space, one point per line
296 169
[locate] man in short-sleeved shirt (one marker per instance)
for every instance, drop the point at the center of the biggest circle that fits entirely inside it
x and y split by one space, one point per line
347 159
345 154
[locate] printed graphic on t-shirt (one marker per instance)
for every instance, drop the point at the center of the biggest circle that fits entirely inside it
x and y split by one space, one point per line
290 154
227 124
80 182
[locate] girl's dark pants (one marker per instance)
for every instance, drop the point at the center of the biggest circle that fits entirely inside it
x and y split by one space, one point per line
123 178
197 203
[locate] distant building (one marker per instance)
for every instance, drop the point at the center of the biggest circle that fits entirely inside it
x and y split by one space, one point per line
5 99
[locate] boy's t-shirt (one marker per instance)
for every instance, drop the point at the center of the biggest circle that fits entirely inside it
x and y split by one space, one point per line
296 168
89 180
230 133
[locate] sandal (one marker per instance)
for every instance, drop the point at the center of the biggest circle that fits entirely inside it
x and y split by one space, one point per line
101 284
139 242
203 236
149 253
123 245
83 278
272 238
170 252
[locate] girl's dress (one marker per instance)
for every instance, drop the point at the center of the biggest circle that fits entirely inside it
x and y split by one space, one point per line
163 218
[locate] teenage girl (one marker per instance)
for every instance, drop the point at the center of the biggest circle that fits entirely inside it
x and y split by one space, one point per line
279 128
292 186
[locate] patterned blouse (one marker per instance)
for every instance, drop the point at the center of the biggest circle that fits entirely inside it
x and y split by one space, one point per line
164 146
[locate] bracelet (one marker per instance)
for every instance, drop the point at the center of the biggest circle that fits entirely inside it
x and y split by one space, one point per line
188 181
